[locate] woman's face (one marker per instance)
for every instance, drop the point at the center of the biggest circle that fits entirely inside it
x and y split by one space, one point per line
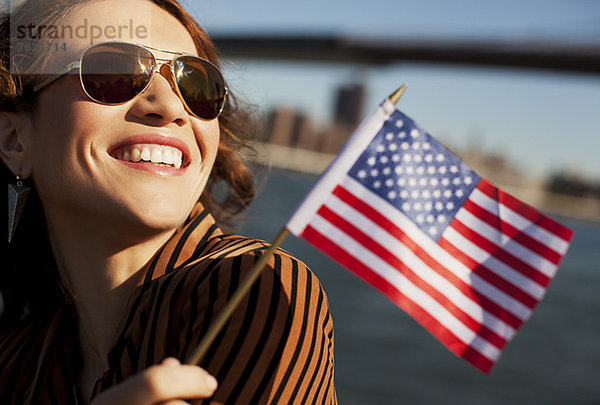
78 147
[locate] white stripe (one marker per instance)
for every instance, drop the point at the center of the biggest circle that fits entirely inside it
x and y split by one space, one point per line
509 245
440 255
342 163
408 289
543 236
421 269
525 284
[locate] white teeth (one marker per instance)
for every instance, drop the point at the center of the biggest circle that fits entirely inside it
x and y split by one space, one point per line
157 154
146 154
136 155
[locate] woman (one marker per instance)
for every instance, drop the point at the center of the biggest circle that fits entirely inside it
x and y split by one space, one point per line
118 266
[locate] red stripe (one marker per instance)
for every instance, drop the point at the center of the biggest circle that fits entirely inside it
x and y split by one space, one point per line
525 210
507 258
512 232
359 236
393 230
449 340
489 276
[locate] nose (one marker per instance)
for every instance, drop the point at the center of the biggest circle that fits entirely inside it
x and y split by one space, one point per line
160 104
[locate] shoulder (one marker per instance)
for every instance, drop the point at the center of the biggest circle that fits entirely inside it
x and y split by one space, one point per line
278 344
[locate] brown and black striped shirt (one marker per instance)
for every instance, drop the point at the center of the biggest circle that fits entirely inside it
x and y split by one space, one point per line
276 348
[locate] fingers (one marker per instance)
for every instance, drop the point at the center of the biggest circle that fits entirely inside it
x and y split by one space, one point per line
164 383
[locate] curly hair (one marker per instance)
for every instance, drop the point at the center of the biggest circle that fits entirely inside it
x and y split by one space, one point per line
229 190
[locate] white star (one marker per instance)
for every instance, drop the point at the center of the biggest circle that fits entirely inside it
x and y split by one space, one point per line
422 181
387 171
441 219
428 157
404 146
389 182
421 170
362 174
447 193
403 194
391 195
428 206
426 194
406 207
418 158
450 206
412 182
442 169
393 147
377 184
445 181
431 170
396 158
437 194
433 231
399 123
454 169
409 170
389 136
407 158
380 148
456 181
439 157
420 219
374 173
414 133
426 146
371 161
414 194
416 146
433 182
402 135
459 193
468 180
383 159
417 206
439 206
398 169
430 219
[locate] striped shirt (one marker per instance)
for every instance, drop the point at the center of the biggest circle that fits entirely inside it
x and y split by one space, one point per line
276 348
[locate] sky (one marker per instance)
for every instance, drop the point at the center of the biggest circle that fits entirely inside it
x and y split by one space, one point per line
543 122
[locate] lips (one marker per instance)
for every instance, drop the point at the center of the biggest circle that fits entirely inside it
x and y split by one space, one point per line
150 151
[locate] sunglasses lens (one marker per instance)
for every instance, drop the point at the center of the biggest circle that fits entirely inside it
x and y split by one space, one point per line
116 73
201 86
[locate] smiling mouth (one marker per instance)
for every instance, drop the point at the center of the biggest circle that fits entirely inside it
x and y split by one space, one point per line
158 155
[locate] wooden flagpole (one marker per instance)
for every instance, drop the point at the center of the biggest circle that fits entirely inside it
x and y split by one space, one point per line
199 352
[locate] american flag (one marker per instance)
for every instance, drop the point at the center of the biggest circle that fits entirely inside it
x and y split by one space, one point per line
466 260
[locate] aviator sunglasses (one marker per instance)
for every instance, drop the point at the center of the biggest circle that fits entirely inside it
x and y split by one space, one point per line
113 73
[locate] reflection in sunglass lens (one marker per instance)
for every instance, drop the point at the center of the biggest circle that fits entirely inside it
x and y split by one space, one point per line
116 73
201 86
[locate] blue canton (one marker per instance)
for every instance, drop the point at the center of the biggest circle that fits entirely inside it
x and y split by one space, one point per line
409 169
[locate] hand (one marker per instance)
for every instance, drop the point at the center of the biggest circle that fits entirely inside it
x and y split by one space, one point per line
163 384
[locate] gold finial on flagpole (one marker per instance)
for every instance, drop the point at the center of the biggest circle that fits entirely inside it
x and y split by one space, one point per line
397 94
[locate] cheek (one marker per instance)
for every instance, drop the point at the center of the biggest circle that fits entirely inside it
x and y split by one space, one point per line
207 137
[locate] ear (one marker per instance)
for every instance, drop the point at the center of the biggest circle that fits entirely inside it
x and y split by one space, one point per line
14 134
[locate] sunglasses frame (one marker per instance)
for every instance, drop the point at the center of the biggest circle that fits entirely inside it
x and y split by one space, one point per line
157 64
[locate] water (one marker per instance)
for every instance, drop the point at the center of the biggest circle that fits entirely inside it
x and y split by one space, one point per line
384 357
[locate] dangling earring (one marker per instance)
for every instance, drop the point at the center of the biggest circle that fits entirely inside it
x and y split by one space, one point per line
17 195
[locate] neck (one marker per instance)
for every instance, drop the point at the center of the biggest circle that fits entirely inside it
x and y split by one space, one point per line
100 269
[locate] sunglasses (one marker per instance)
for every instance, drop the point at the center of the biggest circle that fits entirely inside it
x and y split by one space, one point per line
112 73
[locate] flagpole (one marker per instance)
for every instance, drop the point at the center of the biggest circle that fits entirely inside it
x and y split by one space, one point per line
236 298
227 311
395 96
